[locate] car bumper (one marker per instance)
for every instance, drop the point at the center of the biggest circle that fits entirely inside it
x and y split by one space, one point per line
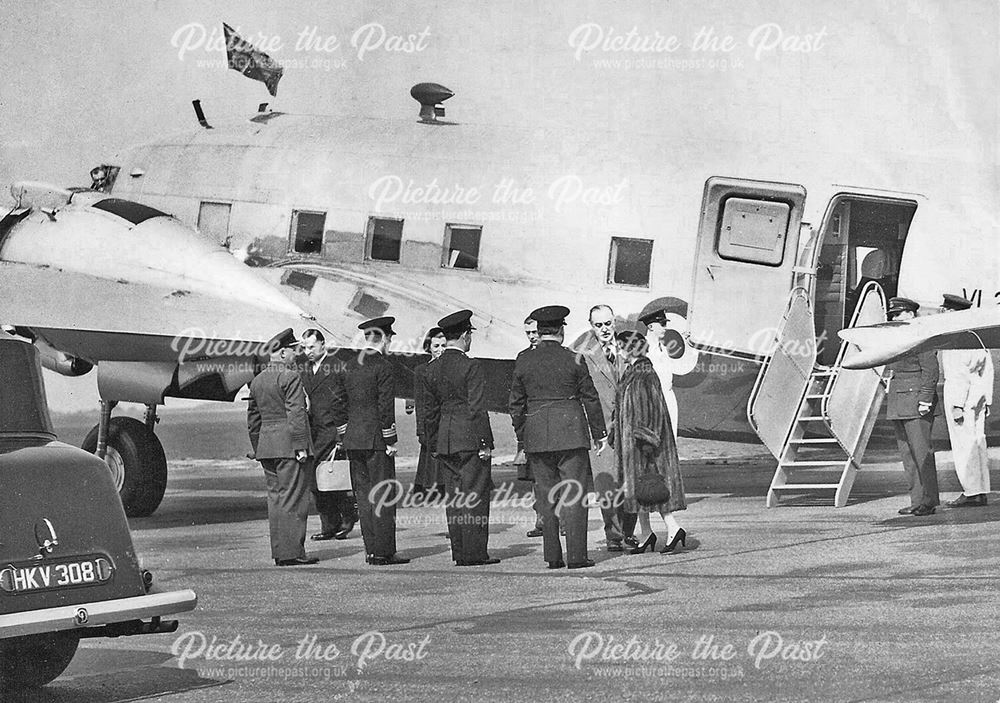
85 615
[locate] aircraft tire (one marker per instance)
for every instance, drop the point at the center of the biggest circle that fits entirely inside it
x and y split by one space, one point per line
137 462
35 660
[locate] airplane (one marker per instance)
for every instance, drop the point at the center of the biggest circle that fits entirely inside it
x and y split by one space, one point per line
363 216
160 311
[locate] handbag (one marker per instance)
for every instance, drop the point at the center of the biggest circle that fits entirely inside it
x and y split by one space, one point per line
333 475
651 489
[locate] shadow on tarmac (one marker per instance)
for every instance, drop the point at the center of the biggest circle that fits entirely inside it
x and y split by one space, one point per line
111 676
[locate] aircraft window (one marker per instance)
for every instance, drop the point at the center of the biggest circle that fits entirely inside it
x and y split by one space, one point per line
307 228
385 235
213 220
461 246
127 210
630 261
754 231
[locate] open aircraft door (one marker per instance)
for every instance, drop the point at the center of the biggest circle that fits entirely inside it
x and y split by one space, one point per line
744 265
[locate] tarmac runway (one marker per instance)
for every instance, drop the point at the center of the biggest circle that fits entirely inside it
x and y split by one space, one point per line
804 603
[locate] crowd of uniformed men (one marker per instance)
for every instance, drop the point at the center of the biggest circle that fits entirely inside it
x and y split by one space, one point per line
317 408
567 406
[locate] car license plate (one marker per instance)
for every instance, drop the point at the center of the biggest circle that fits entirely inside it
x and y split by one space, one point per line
50 574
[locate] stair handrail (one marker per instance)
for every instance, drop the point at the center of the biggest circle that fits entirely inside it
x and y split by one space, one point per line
797 290
870 287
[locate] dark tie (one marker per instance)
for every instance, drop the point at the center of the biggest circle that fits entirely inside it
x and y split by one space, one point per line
609 354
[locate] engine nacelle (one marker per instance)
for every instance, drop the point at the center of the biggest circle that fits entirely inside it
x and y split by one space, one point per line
61 362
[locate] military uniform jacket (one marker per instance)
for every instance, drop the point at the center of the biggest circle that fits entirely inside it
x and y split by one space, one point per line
420 400
276 416
553 400
914 380
968 378
456 419
365 402
319 387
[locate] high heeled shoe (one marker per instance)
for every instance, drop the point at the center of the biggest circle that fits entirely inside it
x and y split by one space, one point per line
680 536
649 543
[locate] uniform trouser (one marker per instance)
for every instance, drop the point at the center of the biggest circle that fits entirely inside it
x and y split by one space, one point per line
369 469
335 508
467 509
537 505
549 469
617 523
968 447
913 436
288 487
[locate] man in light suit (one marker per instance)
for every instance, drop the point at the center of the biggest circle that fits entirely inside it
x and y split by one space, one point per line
556 411
911 397
365 411
968 394
335 508
606 364
279 434
458 431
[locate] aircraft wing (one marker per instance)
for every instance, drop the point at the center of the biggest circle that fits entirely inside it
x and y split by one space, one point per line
147 341
975 328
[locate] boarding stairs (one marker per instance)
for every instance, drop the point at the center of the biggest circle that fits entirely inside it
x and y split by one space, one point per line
816 420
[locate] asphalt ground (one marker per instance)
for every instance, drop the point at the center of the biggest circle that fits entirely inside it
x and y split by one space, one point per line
797 603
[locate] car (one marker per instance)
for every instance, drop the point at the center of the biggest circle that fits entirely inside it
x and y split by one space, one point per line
68 568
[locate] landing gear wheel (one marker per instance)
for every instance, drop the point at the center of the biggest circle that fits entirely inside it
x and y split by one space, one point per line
137 463
34 660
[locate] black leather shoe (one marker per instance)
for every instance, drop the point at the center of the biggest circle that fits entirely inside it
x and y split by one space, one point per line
387 561
964 501
533 533
582 565
922 510
615 547
323 536
479 562
557 564
297 561
907 510
631 541
343 532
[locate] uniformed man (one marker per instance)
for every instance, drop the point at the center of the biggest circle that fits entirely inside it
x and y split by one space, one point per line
279 434
968 394
335 508
521 459
458 430
912 394
555 411
365 402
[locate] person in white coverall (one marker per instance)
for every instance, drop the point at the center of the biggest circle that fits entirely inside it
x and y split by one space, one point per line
670 354
968 394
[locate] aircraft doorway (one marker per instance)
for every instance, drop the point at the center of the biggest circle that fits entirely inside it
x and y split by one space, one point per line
862 241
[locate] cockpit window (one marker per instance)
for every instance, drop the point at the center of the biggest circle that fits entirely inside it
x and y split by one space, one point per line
127 210
23 408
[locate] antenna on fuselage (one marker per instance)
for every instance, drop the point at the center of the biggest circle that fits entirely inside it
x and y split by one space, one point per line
200 114
430 95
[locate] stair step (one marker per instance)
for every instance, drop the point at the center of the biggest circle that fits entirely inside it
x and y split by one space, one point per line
804 486
815 440
814 396
792 464
812 417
